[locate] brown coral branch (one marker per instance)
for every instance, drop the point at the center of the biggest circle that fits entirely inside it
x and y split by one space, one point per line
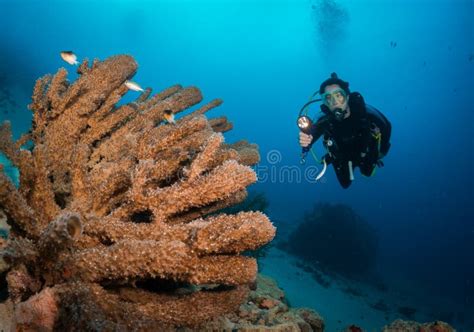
221 124
112 230
39 104
83 68
135 309
20 158
164 259
22 141
106 127
218 184
216 234
176 102
191 310
186 217
248 152
20 251
21 283
110 183
207 107
107 119
17 208
202 162
133 258
42 196
80 180
160 96
227 270
56 89
143 96
232 233
165 137
6 141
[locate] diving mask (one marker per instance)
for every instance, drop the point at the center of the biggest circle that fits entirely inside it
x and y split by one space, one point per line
336 101
334 97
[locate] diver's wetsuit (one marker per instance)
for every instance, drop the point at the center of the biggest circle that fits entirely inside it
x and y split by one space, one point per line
346 139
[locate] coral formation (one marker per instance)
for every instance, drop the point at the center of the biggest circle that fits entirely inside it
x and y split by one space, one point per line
411 326
9 169
114 224
4 228
334 238
266 309
255 201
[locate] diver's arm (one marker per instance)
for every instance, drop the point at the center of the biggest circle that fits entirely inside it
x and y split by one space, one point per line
307 139
317 130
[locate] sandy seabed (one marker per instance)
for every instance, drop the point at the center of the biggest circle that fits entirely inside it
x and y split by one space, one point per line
339 301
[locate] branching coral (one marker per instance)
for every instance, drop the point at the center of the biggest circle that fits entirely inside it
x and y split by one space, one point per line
267 309
112 218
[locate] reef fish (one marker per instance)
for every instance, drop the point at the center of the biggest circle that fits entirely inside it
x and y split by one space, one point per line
169 116
69 57
133 86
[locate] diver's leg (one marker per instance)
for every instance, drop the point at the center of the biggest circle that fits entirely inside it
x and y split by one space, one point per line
367 168
343 174
368 162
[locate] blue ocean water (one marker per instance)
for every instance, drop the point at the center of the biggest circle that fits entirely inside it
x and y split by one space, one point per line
413 60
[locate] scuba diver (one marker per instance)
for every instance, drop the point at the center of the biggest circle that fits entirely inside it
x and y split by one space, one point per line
354 134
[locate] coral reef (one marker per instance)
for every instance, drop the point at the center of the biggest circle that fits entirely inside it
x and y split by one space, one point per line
4 228
9 169
266 309
334 238
410 326
114 224
255 201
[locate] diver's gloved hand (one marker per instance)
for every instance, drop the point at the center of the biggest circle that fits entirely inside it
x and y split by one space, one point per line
305 139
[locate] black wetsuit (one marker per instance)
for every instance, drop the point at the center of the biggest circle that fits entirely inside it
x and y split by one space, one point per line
346 140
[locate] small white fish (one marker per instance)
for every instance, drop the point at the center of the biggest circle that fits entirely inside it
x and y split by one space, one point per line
169 116
69 57
133 86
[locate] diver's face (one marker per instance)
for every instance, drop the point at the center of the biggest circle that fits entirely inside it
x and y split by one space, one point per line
337 101
335 98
